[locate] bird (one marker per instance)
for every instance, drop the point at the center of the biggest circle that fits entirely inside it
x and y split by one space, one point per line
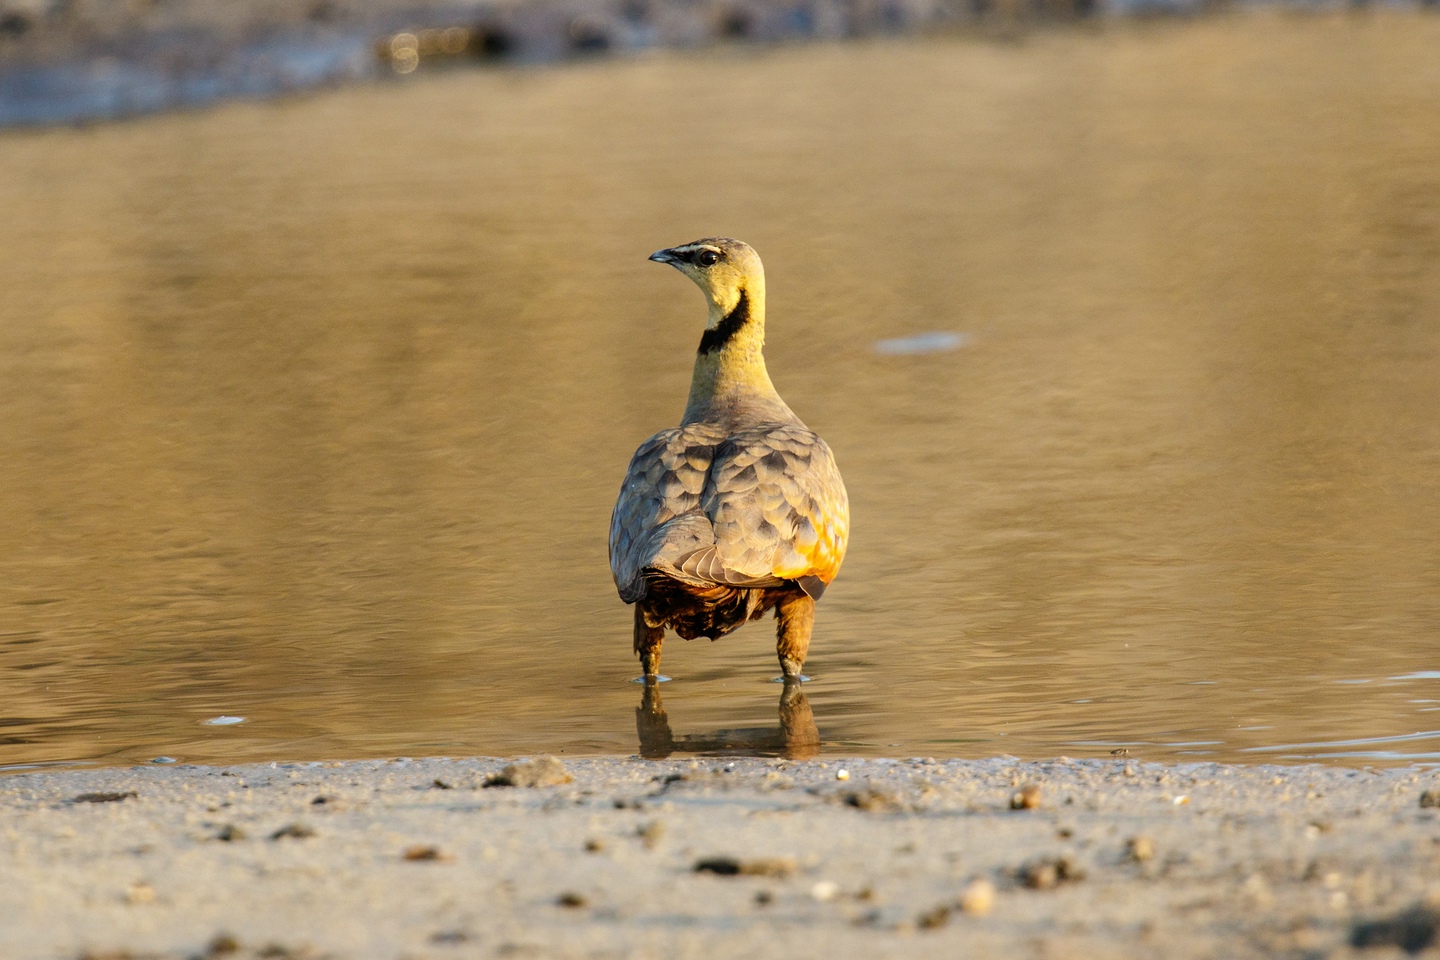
740 509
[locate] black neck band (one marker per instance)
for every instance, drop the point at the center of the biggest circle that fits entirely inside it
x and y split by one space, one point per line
725 331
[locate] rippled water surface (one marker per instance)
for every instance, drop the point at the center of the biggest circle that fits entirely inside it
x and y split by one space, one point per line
1127 341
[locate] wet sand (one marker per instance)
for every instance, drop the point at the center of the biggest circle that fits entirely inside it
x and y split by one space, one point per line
902 858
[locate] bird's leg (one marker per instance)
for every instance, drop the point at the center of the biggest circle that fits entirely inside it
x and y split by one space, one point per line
797 723
647 642
794 619
653 726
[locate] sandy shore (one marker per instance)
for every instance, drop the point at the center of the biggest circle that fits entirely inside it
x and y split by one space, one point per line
795 859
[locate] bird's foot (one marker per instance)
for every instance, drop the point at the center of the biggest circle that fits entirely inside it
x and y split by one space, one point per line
652 678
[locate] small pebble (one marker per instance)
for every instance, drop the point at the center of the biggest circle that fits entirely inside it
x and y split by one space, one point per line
935 918
720 866
540 772
1412 930
651 833
1430 798
294 831
1026 798
222 945
825 890
423 852
594 845
140 892
732 867
107 797
871 801
230 833
571 901
1040 876
779 867
845 775
978 897
1047 874
1140 849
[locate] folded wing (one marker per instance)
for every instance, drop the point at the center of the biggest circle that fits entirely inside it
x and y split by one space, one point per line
778 507
657 518
760 507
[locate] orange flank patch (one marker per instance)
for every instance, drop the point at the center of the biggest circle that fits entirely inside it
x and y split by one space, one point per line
816 551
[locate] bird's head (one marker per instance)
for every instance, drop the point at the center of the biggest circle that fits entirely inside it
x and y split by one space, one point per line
722 268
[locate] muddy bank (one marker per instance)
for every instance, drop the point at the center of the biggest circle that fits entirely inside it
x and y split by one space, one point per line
70 61
762 858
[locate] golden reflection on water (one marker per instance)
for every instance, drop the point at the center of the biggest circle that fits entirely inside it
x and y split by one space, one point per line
313 412
796 737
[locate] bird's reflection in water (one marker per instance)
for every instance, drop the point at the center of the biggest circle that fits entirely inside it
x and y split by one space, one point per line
797 739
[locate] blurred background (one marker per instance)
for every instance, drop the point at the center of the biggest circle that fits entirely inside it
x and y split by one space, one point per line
1124 327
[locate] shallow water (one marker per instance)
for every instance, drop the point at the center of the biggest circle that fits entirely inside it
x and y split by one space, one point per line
313 412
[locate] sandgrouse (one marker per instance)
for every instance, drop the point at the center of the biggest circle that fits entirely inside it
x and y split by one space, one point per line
740 508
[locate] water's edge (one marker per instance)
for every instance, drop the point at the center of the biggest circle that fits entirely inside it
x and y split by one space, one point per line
57 69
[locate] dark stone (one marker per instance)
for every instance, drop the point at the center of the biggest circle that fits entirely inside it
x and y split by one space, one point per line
107 797
722 866
1411 930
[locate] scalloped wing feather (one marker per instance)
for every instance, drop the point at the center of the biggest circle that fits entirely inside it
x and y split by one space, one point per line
760 507
778 506
657 519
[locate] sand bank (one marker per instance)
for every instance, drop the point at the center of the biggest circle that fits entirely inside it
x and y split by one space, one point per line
796 859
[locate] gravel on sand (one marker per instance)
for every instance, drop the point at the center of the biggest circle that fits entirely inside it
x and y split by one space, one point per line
719 858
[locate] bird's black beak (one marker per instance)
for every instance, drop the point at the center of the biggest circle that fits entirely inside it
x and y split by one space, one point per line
665 256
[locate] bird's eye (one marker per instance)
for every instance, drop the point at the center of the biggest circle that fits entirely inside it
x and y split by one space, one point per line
707 258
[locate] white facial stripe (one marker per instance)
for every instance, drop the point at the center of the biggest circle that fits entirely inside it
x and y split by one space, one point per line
690 250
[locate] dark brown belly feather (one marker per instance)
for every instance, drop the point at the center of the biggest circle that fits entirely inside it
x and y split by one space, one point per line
710 611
